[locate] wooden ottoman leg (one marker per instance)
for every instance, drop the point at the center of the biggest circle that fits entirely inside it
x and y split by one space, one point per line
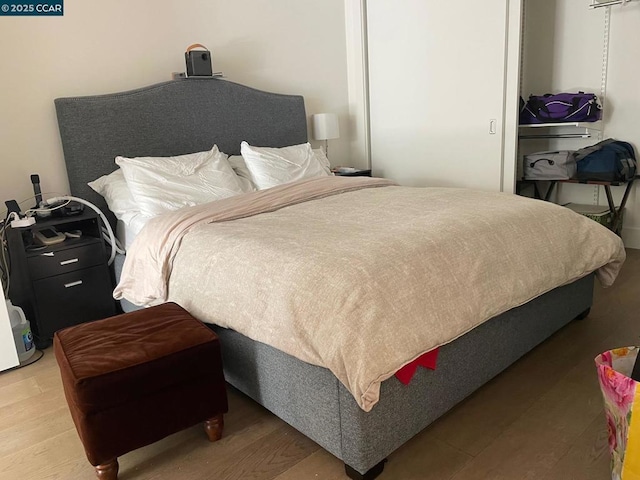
213 427
108 471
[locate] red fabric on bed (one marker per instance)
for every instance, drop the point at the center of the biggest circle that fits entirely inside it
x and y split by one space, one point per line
427 360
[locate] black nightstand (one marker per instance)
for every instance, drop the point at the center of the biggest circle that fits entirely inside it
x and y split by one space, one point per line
357 173
63 284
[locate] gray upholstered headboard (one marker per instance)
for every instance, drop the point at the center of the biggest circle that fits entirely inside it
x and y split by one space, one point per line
171 118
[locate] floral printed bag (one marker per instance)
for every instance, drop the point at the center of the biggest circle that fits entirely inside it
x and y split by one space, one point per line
622 408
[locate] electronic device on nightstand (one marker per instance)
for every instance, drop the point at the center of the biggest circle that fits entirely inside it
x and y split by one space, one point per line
37 192
48 236
12 207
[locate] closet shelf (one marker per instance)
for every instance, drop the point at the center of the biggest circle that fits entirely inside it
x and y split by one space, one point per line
605 3
551 130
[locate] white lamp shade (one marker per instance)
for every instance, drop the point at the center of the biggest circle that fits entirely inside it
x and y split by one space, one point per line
325 126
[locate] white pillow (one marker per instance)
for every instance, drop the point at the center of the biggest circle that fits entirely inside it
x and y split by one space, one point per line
240 167
243 173
161 184
274 166
114 189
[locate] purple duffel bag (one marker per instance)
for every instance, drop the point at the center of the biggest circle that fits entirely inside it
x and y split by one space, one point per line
561 107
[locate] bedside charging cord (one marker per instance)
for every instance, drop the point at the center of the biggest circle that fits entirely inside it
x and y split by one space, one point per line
44 209
107 225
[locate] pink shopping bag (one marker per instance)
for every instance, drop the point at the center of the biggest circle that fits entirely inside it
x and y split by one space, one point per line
622 409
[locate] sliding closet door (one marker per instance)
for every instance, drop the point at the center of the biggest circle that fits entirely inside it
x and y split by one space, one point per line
437 91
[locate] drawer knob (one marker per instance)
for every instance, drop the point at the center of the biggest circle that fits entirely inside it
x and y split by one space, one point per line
67 262
73 284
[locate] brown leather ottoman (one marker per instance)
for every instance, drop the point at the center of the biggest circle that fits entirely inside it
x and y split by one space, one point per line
135 378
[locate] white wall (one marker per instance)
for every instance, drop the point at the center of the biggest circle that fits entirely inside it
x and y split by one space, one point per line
623 99
284 46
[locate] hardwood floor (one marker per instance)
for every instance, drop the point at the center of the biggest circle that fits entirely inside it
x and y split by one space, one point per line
540 419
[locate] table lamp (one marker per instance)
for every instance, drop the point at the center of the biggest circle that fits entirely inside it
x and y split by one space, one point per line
325 127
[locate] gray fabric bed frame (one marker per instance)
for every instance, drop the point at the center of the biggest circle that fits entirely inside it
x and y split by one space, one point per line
190 115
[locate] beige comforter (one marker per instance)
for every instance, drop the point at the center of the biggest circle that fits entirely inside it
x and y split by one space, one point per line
362 280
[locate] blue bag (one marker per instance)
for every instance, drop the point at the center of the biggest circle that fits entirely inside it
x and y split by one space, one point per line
609 161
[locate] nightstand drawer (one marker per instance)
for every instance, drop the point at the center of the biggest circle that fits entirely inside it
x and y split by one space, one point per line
73 298
58 262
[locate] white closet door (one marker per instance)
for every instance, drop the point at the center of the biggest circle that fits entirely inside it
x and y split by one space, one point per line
436 91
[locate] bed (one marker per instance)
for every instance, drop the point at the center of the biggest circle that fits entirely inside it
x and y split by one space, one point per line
185 116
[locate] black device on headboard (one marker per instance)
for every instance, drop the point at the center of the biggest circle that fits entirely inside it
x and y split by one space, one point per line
198 61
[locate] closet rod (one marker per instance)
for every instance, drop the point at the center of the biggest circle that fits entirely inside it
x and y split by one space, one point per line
595 4
557 135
